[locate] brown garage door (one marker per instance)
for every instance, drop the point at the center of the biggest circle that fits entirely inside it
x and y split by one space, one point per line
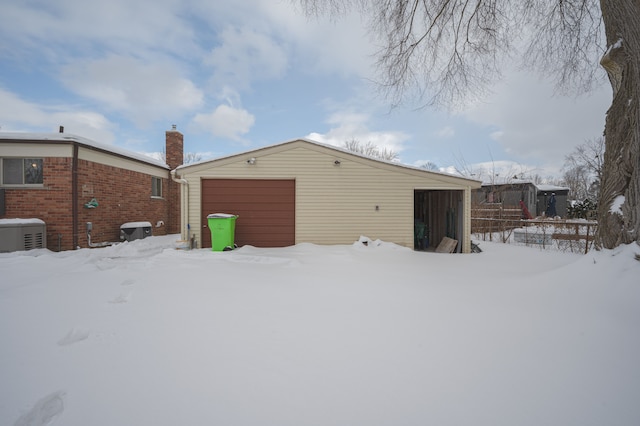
266 209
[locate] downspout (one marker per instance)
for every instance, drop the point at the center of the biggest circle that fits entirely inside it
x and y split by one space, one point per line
184 198
74 195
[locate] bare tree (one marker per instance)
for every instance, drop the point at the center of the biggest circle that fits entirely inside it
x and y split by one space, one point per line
430 165
445 52
583 169
189 157
370 150
578 180
192 157
463 168
492 172
590 154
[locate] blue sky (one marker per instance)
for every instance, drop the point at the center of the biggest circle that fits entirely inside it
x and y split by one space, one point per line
234 76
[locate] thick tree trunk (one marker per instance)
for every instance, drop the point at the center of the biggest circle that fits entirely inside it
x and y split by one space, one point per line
619 203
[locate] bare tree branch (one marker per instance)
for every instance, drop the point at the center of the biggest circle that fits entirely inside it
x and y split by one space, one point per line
370 150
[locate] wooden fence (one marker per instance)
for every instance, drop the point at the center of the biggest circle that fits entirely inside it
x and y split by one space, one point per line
506 226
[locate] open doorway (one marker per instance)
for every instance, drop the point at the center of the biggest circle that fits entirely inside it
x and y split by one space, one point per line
437 214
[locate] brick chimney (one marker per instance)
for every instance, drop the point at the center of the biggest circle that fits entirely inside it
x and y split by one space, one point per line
174 147
174 150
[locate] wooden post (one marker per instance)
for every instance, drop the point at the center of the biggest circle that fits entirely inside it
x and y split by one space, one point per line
586 245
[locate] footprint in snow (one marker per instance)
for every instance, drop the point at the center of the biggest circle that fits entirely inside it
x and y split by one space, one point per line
74 336
127 282
44 412
123 298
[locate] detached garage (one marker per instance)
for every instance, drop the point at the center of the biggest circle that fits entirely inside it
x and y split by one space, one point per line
303 191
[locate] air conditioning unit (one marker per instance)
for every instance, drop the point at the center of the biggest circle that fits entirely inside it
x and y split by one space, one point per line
135 231
22 234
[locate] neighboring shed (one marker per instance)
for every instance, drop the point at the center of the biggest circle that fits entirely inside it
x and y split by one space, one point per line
303 191
534 196
543 195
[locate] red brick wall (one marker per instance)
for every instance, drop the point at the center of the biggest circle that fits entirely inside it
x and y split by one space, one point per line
51 203
122 195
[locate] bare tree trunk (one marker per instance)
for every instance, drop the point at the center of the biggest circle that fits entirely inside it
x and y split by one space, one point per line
619 202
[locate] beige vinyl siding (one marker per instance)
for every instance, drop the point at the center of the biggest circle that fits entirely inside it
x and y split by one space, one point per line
108 159
335 204
17 149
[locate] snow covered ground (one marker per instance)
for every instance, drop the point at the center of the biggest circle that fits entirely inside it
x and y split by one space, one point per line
144 334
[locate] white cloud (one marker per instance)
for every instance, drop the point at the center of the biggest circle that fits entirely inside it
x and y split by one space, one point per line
65 28
142 92
245 55
348 126
327 46
497 135
225 122
446 132
20 115
313 45
230 96
534 125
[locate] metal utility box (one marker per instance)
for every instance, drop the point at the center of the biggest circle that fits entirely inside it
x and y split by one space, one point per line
135 231
22 234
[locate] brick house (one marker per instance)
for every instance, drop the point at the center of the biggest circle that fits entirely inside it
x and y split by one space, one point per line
68 181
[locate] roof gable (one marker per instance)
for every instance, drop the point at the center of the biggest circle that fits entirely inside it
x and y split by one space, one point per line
331 150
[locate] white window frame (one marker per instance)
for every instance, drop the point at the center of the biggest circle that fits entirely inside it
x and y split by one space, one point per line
23 174
156 187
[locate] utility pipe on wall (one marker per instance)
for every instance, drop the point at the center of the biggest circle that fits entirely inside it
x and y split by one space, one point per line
184 197
94 245
74 196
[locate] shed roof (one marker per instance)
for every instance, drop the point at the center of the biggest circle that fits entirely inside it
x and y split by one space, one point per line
551 188
336 151
514 181
71 138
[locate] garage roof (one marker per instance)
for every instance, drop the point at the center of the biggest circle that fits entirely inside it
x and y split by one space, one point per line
329 148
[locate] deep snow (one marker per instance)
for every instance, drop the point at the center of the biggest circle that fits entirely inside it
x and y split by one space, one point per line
144 334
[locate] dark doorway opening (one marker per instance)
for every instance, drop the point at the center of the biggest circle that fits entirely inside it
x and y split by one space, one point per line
437 214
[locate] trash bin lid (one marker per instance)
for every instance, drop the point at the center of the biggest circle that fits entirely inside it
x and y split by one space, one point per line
221 216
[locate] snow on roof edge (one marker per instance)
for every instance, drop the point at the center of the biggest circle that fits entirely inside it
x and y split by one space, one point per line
69 137
539 186
333 147
545 187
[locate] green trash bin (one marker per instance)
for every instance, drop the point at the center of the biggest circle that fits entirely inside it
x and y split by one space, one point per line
223 229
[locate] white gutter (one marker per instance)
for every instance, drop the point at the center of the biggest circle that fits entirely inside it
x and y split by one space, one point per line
184 195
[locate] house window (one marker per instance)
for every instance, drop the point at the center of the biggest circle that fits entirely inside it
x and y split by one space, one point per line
21 171
156 187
